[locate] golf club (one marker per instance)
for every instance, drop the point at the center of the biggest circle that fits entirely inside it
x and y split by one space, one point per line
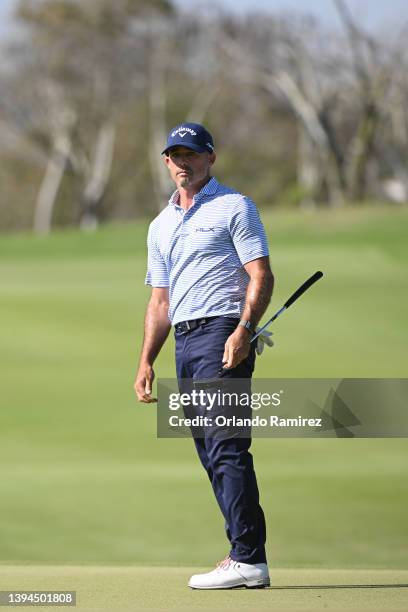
296 295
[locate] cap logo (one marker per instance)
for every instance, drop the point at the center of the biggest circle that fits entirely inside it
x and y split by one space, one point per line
182 131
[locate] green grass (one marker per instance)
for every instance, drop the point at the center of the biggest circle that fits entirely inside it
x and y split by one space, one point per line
84 480
152 588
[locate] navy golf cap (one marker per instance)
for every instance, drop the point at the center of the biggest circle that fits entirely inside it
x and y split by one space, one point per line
191 135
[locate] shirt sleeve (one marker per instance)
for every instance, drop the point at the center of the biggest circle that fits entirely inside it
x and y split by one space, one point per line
247 232
156 275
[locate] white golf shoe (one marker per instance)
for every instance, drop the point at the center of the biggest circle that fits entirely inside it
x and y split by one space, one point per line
231 574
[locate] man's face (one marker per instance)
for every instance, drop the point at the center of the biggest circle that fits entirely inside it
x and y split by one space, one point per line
188 168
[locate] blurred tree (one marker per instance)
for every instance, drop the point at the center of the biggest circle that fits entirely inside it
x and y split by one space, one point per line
90 89
339 101
88 63
371 79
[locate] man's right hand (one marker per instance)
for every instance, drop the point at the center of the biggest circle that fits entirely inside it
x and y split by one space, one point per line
143 384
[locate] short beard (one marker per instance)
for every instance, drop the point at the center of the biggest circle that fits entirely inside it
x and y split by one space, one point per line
185 181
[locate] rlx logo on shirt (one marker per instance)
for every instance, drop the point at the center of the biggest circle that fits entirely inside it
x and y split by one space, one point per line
205 229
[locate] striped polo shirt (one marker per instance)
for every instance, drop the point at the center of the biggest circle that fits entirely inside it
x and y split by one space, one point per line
199 253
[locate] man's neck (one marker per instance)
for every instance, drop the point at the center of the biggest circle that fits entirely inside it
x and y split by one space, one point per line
187 193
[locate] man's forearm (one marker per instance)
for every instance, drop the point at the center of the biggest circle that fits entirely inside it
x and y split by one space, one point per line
258 296
156 330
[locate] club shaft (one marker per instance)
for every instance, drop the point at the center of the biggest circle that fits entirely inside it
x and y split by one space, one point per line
275 316
295 296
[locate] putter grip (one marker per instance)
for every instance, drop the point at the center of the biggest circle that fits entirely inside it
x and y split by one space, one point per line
315 277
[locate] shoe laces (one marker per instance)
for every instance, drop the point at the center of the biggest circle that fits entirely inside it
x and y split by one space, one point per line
225 563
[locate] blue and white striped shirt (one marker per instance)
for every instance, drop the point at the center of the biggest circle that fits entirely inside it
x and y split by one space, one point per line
199 253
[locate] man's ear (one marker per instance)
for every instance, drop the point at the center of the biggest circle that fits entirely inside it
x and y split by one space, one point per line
211 158
166 159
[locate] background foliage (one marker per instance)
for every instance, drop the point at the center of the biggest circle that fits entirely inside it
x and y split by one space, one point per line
301 115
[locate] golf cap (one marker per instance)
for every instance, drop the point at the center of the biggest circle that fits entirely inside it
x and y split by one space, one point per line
191 135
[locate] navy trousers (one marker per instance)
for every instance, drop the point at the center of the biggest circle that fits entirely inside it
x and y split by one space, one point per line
228 462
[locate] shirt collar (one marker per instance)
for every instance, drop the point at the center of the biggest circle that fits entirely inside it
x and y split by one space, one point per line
210 188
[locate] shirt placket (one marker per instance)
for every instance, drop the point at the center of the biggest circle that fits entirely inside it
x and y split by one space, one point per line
186 216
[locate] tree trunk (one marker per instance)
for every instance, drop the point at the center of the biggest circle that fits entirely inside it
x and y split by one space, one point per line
360 154
307 169
51 182
309 117
99 175
158 131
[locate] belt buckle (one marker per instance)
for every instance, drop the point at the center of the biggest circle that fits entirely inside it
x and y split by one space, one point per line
187 323
182 328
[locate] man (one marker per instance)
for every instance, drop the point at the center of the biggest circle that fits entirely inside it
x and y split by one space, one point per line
208 265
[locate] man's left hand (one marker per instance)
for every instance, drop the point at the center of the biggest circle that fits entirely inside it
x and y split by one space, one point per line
236 348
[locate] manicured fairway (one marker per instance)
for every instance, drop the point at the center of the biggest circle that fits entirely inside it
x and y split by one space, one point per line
154 588
84 479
